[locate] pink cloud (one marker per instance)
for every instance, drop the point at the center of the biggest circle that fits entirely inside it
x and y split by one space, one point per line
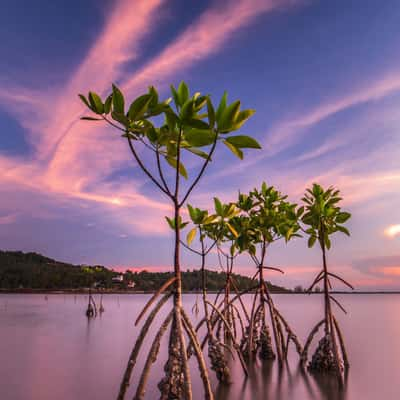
204 37
71 158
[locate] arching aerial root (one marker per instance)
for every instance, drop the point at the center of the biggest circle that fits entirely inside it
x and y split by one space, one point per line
138 344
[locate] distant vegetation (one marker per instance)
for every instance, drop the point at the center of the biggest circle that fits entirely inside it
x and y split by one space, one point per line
35 271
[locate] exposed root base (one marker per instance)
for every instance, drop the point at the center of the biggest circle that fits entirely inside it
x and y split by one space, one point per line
266 351
323 360
172 385
218 361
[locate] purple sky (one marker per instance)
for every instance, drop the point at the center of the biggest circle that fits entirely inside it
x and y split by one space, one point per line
324 78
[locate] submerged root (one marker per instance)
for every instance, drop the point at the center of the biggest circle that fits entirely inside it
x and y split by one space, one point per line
324 359
266 351
172 385
218 361
250 346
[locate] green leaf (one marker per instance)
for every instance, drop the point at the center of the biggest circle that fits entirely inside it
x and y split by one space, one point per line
242 141
91 119
171 222
232 229
121 118
327 242
84 100
118 100
96 103
222 106
191 235
107 104
343 217
241 118
173 162
237 152
228 116
197 124
183 93
138 107
152 134
311 241
197 152
175 96
210 113
192 212
154 96
218 206
199 137
300 211
343 229
187 110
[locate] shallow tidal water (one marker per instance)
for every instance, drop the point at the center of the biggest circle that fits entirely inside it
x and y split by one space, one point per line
49 350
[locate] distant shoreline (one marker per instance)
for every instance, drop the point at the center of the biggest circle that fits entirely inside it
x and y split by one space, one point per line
97 292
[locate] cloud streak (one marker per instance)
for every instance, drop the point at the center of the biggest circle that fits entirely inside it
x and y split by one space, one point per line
72 158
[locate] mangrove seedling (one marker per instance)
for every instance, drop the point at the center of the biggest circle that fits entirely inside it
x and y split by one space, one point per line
323 217
213 229
191 124
266 218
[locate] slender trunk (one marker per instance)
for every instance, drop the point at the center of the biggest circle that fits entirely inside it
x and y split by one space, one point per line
327 303
177 269
204 284
226 302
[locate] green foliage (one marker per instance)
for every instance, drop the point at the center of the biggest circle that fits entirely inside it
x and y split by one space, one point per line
190 122
266 216
322 215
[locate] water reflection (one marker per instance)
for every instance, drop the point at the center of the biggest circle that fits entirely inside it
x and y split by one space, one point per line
267 379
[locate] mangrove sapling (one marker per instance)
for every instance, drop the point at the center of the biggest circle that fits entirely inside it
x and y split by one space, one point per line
210 229
185 130
201 219
226 237
323 217
266 217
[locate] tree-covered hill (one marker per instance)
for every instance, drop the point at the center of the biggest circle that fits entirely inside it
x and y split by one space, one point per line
34 271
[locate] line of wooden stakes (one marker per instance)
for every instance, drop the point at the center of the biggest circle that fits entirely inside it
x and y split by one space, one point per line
193 127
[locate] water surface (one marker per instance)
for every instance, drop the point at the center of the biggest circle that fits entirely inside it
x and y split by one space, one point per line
49 350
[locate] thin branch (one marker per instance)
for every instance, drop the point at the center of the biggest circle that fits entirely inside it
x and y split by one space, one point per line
338 304
274 269
189 248
160 171
145 170
201 171
341 279
316 280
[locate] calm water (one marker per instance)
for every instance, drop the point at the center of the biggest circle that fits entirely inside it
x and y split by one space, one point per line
49 350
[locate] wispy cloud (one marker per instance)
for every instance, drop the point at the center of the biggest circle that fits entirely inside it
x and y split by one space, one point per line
71 158
287 133
204 37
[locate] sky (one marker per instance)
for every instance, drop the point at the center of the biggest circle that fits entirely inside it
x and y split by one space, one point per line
323 77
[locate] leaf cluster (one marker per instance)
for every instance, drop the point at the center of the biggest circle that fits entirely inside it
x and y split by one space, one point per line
323 215
191 122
